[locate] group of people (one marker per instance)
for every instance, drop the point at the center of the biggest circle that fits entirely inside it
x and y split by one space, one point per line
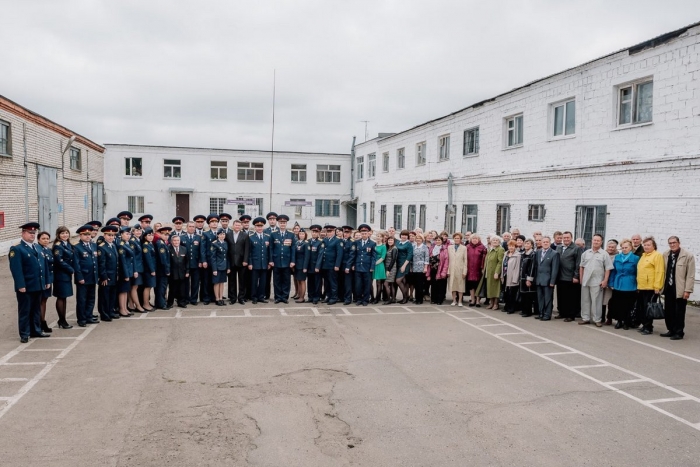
142 268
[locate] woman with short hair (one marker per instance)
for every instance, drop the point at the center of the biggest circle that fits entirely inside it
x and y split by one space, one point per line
457 270
651 271
623 282
63 272
492 271
379 274
476 255
439 265
44 239
404 260
510 277
391 267
419 267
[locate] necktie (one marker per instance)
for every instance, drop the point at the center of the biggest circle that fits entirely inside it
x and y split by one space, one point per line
177 252
673 265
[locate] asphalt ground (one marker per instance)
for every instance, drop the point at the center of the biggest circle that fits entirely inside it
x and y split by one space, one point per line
333 386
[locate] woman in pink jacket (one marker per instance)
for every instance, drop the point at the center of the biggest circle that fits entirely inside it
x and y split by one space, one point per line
437 272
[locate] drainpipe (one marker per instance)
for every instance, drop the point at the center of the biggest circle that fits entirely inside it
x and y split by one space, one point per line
26 171
352 169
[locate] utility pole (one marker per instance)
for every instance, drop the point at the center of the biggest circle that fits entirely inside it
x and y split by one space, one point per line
272 148
365 122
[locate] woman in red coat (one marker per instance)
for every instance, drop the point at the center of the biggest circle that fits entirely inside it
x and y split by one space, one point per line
476 254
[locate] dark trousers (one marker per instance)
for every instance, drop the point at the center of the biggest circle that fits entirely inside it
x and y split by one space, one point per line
568 299
248 281
236 283
268 282
674 312
418 280
510 295
313 283
257 288
205 284
621 305
159 292
438 288
348 285
177 290
527 302
363 287
29 313
545 294
330 283
84 302
643 299
283 278
107 295
193 285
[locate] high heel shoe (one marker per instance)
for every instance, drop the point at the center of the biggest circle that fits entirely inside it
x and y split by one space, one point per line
45 327
63 324
404 301
128 315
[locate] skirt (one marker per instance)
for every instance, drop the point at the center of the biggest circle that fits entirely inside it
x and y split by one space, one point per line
148 280
220 277
400 274
299 274
137 280
62 289
391 274
46 293
123 286
470 285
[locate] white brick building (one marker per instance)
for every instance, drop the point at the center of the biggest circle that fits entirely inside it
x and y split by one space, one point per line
610 146
170 181
41 178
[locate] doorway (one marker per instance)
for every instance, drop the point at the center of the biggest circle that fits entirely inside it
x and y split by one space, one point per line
182 205
47 191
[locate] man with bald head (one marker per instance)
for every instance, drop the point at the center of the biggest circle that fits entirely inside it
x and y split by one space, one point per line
637 247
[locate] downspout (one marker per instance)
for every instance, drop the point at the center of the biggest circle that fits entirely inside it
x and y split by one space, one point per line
352 169
26 171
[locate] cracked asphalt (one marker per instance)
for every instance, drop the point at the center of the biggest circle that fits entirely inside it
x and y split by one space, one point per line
410 389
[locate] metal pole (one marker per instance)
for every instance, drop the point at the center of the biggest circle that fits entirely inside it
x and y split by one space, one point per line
26 171
272 149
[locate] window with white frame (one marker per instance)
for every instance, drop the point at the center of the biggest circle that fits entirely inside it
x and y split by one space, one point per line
371 212
471 141
371 166
172 168
75 159
420 153
299 173
135 204
327 208
564 118
450 218
385 162
382 216
5 139
421 216
469 217
250 171
133 166
219 170
411 225
635 102
360 167
535 212
514 131
401 158
398 216
327 173
444 146
216 205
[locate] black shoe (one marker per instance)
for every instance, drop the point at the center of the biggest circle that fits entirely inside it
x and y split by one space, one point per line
315 302
346 303
116 316
559 317
264 301
105 318
241 301
538 317
526 315
676 337
568 320
285 301
618 325
193 303
93 321
95 316
255 302
64 325
24 340
232 302
277 300
82 324
45 327
625 327
206 303
545 319
647 332
43 334
332 302
364 303
667 334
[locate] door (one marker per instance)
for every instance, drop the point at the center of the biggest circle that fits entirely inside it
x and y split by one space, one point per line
502 219
182 205
47 190
98 203
351 213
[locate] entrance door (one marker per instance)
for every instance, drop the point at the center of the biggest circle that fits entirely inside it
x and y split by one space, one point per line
47 189
182 205
351 213
98 201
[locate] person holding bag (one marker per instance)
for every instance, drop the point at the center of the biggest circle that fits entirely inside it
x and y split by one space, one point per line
650 282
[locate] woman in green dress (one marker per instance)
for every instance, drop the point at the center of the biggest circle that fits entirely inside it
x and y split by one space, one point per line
379 275
492 271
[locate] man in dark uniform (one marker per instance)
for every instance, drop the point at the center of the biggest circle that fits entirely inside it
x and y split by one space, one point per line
282 259
85 261
346 282
107 258
125 218
258 260
193 242
329 264
269 230
313 278
95 229
206 286
365 259
179 230
112 221
26 265
199 223
162 267
145 221
179 272
247 274
238 250
224 219
245 224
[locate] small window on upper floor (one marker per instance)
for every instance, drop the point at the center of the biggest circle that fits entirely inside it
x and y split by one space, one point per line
385 162
134 167
401 158
471 142
420 153
361 167
371 165
444 146
76 162
564 118
5 139
172 168
514 131
635 102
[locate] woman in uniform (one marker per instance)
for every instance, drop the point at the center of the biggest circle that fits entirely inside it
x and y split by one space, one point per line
44 239
301 266
218 259
148 253
126 270
135 243
63 272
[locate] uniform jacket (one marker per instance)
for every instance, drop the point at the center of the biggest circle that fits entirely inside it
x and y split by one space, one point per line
314 250
207 238
63 262
624 275
149 258
162 258
282 248
138 254
85 263
302 255
349 250
239 250
194 246
179 263
126 260
331 254
569 262
218 256
259 251
685 272
365 256
547 269
107 263
27 267
651 271
48 264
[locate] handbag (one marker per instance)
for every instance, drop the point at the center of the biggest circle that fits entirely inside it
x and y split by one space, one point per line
655 308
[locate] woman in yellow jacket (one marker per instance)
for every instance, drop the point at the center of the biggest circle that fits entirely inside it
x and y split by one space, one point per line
650 281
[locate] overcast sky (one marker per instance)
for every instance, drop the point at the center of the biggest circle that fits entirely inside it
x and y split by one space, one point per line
178 73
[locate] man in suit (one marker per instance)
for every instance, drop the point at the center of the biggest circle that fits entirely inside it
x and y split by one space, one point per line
26 265
568 282
179 273
258 260
107 258
328 264
269 230
85 260
365 257
545 273
282 259
193 243
238 250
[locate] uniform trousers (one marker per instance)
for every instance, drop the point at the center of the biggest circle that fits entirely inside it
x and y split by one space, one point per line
348 285
545 293
592 303
330 284
84 302
363 287
268 282
193 283
161 287
313 281
106 300
259 277
568 299
205 284
674 312
237 284
29 313
283 277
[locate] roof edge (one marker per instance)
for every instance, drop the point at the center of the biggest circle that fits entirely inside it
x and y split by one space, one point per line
107 145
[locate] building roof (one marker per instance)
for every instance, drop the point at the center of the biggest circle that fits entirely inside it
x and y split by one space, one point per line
147 146
23 112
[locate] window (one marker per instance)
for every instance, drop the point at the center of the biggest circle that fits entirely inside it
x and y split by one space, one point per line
385 162
299 172
421 217
216 205
382 216
444 145
451 218
172 168
502 218
371 165
471 141
5 139
219 170
535 212
469 215
327 208
250 171
514 131
328 174
564 118
371 212
75 162
420 153
398 216
590 220
135 204
134 167
411 217
635 103
364 212
401 158
360 167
